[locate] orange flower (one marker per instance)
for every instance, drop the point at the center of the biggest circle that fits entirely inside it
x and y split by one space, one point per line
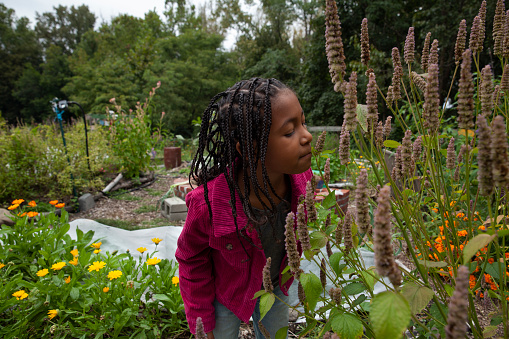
462 233
68 279
74 261
471 281
106 289
32 203
434 210
491 260
439 247
507 255
487 278
452 203
22 214
61 205
465 219
482 228
441 229
460 215
32 214
13 207
17 202
53 202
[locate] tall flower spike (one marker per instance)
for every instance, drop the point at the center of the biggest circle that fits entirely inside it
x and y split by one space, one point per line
397 75
407 167
320 141
387 127
379 135
323 275
461 39
486 91
326 172
334 44
409 46
474 42
499 156
364 42
371 103
505 50
328 247
431 107
417 149
310 202
418 81
339 233
466 93
267 281
390 96
350 109
200 333
347 232
457 317
344 145
482 26
382 237
451 155
425 52
335 294
361 201
302 228
497 93
396 170
433 53
504 82
291 245
498 28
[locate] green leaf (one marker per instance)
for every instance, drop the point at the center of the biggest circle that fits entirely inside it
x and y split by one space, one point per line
489 331
449 289
354 288
330 200
334 260
75 293
475 244
347 326
161 297
282 333
390 314
362 116
391 144
417 296
259 293
428 263
360 299
266 302
317 239
312 288
310 326
369 278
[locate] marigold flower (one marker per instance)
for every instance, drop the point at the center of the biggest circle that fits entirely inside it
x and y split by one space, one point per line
42 273
74 261
153 261
175 281
32 214
2 265
460 215
106 289
74 252
18 202
96 266
68 279
52 314
58 266
435 210
61 205
114 274
97 251
156 240
20 295
96 245
13 207
53 202
32 203
22 214
141 249
462 233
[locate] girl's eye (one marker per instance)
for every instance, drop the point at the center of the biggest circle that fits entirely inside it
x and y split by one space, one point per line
289 134
305 125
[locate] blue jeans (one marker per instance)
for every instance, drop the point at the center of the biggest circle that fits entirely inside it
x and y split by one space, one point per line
227 323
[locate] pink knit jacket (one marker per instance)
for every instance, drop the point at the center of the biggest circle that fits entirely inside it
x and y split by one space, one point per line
212 262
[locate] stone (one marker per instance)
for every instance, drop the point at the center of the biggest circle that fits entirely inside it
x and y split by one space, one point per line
174 208
293 315
86 202
4 217
178 216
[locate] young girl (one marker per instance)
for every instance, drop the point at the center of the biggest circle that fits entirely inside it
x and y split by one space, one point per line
252 165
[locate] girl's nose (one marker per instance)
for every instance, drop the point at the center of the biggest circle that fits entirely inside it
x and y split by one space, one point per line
306 137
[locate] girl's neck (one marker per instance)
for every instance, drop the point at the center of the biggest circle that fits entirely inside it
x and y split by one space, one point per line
280 183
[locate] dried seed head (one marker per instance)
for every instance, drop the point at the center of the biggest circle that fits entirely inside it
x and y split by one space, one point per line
461 39
339 233
417 149
263 330
335 294
344 145
407 166
387 127
504 82
310 202
382 237
457 317
291 245
418 81
456 176
396 170
486 92
267 280
425 52
371 103
397 75
474 42
390 96
431 108
350 110
482 26
320 141
451 155
364 42
302 228
466 93
329 249
379 135
498 28
505 50
395 275
433 53
326 171
361 201
499 156
200 332
323 275
334 44
347 232
409 46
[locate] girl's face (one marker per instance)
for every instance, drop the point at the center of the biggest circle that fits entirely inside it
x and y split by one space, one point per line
289 146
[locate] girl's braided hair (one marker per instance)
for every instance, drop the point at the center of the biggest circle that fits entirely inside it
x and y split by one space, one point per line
241 114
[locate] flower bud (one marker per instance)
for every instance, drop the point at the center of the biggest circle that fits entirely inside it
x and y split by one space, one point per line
425 52
200 332
267 281
457 317
461 39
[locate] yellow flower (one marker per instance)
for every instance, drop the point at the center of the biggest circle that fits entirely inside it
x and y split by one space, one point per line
68 279
58 266
74 261
20 295
141 249
32 203
2 265
42 273
32 214
452 203
96 266
13 207
106 289
52 314
53 202
175 281
21 215
114 274
74 252
153 261
96 245
61 205
97 251
156 240
18 202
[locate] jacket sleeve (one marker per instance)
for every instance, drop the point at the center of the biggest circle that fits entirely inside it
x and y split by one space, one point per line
195 266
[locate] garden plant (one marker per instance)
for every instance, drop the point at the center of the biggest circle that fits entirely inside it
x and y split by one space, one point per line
441 207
